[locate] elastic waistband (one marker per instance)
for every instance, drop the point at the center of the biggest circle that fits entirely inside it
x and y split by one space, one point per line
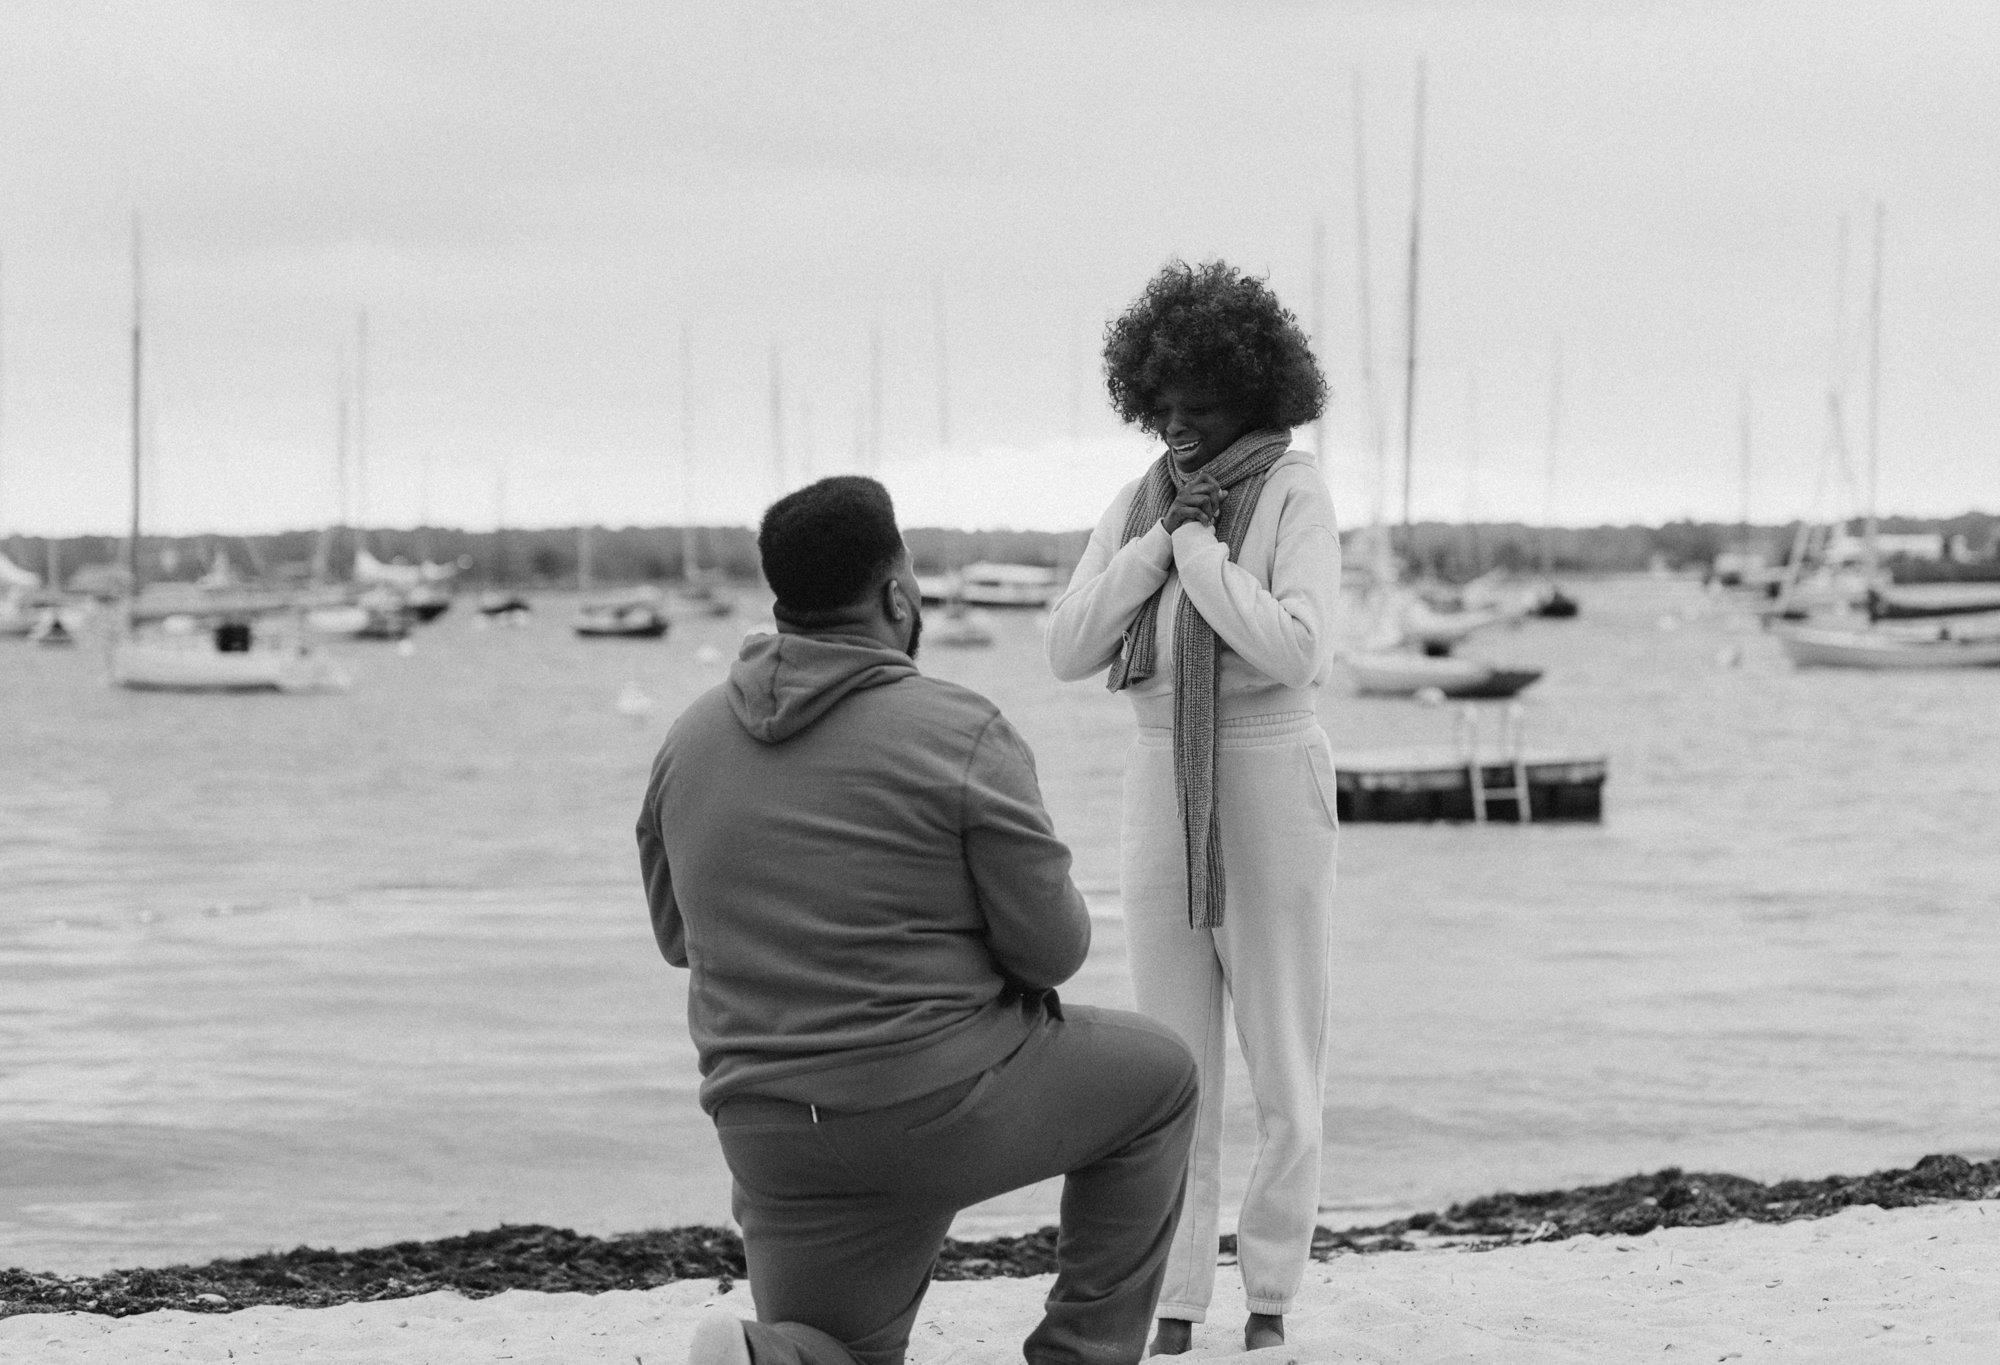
1242 732
1156 710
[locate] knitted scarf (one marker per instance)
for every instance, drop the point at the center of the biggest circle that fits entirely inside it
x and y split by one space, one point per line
1197 665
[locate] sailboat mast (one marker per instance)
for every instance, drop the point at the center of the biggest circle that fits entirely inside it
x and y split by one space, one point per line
138 314
360 431
1472 473
1410 319
3 398
1874 396
689 550
1555 446
874 396
1319 317
1743 452
777 422
943 371
1365 320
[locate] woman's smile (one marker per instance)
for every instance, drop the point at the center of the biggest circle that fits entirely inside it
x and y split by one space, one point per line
1196 425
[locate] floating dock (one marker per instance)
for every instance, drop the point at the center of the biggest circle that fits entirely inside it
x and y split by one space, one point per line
1443 783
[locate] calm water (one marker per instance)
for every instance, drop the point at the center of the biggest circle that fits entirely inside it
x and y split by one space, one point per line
350 969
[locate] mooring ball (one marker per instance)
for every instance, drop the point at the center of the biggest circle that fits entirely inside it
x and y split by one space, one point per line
708 656
1430 696
1729 656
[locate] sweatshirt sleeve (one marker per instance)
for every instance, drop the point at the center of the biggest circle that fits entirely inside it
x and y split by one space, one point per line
1037 926
669 930
1284 631
1109 586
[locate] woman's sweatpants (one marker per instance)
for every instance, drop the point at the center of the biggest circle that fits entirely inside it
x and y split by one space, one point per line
1270 958
844 1214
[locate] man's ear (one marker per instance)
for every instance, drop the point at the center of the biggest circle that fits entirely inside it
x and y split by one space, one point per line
895 604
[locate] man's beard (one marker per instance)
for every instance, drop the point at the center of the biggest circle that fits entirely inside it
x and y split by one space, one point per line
916 630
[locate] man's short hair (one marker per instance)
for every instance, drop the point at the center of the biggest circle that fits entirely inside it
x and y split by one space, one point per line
824 545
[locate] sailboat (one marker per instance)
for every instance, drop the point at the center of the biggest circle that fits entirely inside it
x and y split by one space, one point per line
1883 644
186 653
1407 648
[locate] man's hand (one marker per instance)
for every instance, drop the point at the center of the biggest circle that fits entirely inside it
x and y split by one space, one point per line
1200 500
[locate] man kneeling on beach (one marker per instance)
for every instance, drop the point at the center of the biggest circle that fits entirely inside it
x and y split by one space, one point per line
854 861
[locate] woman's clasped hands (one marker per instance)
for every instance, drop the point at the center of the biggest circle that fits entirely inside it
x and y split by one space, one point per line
1200 500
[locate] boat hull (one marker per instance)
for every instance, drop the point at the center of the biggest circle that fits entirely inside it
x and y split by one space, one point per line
1400 674
197 666
1833 647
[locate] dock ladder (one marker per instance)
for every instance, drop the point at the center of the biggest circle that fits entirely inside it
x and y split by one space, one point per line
1516 790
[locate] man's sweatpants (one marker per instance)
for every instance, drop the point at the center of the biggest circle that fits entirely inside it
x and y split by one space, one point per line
843 1214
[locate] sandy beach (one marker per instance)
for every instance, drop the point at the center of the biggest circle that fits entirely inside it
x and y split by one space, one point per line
1866 1283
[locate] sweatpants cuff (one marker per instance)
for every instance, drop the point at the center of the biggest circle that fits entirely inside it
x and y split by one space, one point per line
1182 1312
1276 1308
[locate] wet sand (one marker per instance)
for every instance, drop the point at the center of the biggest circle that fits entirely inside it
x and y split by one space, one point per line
1865 1283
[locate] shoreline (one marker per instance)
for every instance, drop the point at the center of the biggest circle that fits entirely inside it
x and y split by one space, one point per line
558 1261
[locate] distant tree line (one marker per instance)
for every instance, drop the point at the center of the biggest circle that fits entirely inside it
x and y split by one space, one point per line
567 556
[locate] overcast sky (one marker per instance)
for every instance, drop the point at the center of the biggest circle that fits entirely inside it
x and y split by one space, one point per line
537 205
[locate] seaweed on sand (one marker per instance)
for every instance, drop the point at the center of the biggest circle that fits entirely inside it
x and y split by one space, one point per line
558 1260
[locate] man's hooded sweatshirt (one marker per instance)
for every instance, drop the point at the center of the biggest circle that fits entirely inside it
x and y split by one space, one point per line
854 862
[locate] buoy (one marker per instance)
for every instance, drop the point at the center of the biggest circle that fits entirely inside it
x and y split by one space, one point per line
708 656
633 701
1730 656
1429 696
406 647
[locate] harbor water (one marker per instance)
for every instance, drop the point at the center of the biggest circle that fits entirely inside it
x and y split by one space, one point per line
351 969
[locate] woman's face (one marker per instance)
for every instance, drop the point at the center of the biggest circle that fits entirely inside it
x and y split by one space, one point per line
1196 425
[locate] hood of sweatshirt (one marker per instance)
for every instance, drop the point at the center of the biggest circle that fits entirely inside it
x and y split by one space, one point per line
780 684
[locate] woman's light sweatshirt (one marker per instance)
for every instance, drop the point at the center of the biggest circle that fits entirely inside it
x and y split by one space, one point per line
854 862
1272 608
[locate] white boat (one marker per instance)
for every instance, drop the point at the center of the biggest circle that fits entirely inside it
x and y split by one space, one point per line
178 654
18 613
1423 624
958 627
358 621
53 628
630 618
1917 601
229 658
990 584
1404 673
1819 646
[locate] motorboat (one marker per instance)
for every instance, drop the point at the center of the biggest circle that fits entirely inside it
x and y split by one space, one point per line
1905 601
1405 673
959 627
1437 632
1838 646
631 618
230 657
505 608
990 584
359 621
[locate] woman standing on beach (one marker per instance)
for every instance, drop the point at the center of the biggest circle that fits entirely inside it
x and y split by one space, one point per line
1209 590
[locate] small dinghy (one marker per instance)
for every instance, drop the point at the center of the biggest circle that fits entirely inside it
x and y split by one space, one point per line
1404 673
635 618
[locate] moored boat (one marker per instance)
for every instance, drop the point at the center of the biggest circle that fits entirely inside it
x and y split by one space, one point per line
1904 601
231 657
1402 673
1823 646
632 618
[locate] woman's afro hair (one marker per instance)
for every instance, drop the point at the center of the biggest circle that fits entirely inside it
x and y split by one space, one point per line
1212 327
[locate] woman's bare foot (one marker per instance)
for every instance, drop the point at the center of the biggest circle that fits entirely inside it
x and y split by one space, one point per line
1174 1338
1262 1330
